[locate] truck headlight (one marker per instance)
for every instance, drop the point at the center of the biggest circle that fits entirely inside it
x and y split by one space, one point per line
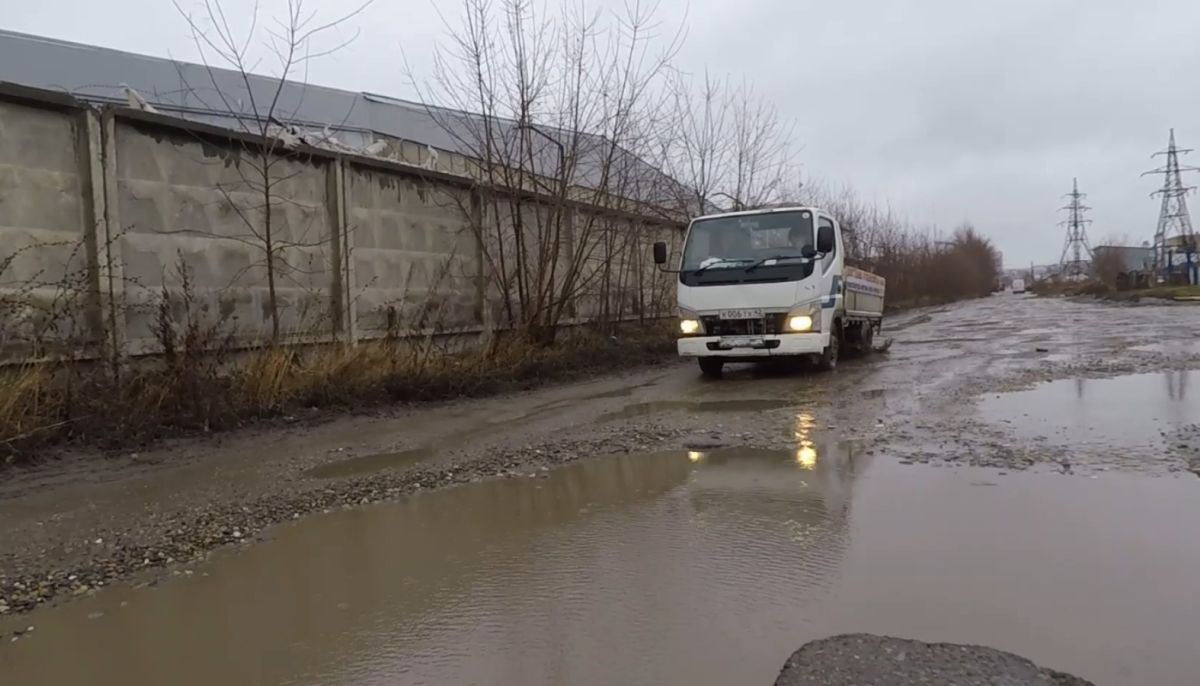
800 322
689 326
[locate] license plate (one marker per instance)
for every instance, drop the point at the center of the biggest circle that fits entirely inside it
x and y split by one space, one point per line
728 342
741 314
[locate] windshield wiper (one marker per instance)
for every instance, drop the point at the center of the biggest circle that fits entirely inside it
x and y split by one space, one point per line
765 260
728 260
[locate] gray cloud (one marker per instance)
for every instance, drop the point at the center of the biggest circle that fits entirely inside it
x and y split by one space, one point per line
945 109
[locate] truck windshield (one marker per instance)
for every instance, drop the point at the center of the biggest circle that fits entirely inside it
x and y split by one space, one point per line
767 241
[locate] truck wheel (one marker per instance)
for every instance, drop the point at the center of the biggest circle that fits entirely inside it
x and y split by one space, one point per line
828 359
866 338
711 367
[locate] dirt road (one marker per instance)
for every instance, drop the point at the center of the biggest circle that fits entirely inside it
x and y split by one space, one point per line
883 497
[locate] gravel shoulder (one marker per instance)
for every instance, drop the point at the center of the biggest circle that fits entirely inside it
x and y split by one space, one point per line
86 521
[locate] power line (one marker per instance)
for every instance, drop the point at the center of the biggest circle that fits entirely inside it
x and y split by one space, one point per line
1077 240
1174 220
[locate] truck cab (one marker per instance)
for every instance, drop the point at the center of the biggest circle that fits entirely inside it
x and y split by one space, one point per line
772 283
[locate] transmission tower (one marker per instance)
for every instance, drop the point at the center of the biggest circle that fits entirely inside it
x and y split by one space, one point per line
1072 262
1174 230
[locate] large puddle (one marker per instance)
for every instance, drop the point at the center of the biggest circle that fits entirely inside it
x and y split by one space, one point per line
671 568
1125 412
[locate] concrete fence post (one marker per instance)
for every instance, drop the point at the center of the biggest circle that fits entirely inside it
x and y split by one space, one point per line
345 320
91 175
106 232
568 251
476 224
478 216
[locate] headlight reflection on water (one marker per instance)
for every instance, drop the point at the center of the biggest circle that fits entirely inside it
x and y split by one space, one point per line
806 457
806 453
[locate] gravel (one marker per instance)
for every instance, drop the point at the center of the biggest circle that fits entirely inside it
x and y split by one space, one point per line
868 660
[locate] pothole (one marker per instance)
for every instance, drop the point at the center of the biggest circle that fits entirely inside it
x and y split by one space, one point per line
367 464
661 406
1126 412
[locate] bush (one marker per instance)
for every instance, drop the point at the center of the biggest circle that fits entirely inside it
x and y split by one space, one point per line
920 268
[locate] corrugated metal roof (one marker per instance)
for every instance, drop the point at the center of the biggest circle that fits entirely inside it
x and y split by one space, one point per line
223 96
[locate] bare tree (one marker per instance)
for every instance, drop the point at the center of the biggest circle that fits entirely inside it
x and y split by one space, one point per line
726 145
921 265
549 109
277 227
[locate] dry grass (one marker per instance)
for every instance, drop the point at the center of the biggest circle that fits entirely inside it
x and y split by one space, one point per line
1169 292
43 406
24 401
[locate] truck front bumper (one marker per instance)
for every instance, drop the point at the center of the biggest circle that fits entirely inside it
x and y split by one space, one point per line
783 345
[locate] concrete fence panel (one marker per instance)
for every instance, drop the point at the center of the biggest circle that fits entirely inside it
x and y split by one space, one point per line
46 276
414 254
103 214
188 205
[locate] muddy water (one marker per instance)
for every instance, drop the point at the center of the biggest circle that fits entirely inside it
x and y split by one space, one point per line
671 568
1125 412
367 464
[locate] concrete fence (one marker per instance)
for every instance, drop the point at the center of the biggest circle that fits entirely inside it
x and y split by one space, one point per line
103 211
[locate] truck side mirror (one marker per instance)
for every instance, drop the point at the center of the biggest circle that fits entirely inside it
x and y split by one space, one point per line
808 251
660 253
825 240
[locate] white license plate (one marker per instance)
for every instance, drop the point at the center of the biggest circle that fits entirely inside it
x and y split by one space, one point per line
741 314
728 342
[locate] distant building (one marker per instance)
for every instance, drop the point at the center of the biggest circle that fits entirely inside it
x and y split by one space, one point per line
1125 266
1183 264
1134 258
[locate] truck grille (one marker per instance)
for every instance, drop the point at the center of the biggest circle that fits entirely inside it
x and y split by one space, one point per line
768 325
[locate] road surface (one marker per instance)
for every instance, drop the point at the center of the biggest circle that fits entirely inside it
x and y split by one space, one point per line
1015 472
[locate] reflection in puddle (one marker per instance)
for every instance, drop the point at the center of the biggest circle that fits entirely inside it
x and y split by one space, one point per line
1125 411
659 406
692 567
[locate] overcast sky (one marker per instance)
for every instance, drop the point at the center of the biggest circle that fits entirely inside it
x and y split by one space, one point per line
946 109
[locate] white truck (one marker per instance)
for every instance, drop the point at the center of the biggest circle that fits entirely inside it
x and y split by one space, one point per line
769 284
1018 286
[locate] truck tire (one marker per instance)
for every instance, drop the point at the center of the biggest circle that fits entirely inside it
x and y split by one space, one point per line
867 342
828 359
711 367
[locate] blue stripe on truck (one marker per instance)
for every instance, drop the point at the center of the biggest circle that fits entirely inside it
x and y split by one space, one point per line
831 299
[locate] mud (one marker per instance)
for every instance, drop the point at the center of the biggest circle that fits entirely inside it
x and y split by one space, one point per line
952 394
369 464
657 407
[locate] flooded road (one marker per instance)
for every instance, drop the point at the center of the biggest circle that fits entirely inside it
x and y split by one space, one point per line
1132 412
1014 473
680 567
